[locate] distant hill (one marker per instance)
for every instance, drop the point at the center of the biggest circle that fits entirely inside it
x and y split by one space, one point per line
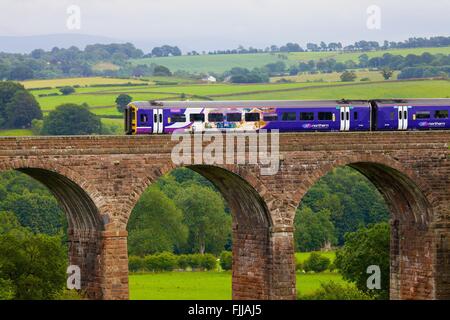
26 44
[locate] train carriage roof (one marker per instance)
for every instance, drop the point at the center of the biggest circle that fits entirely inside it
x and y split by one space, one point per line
287 103
443 102
247 103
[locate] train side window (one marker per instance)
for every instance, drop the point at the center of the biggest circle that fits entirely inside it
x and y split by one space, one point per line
441 114
197 117
392 115
178 117
270 117
144 118
355 115
306 116
252 116
325 116
289 116
234 117
423 115
215 117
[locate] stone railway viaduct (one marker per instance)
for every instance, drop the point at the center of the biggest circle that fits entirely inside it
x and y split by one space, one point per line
99 179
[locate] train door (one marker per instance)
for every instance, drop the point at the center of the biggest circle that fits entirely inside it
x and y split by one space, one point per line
402 117
345 118
158 126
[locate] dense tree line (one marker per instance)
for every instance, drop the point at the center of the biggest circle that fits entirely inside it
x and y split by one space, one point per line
32 266
164 51
73 62
340 202
322 46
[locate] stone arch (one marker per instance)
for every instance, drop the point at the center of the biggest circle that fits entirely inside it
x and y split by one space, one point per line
252 224
85 224
411 203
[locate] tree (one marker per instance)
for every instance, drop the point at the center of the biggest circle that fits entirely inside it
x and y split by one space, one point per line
348 76
21 72
313 230
276 67
156 224
204 214
71 119
386 73
351 198
22 110
67 90
363 248
122 101
17 106
161 71
37 211
316 262
33 266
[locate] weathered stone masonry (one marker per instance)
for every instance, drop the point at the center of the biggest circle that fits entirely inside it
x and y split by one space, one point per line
98 180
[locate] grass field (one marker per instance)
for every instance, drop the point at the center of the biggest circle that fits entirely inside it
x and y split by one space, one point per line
213 63
15 132
342 57
361 90
205 285
334 76
302 256
223 62
30 84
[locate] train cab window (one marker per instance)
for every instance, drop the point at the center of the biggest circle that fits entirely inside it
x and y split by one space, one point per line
215 117
423 115
178 117
289 116
234 117
306 116
441 114
252 116
197 117
326 116
144 118
355 115
392 115
270 117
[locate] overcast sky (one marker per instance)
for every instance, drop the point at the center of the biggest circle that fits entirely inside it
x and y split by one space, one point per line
219 24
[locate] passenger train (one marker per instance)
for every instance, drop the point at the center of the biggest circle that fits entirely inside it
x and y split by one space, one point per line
159 117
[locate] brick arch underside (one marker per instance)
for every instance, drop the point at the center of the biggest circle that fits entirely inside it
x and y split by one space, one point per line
84 222
410 202
251 225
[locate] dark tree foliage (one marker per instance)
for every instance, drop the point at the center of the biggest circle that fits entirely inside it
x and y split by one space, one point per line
122 101
32 203
33 266
61 62
67 90
363 248
243 75
351 199
17 106
71 119
156 224
165 51
348 76
162 71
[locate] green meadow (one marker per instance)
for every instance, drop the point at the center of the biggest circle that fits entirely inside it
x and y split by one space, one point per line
223 62
206 285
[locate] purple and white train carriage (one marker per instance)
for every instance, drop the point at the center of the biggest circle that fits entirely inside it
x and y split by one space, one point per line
158 117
